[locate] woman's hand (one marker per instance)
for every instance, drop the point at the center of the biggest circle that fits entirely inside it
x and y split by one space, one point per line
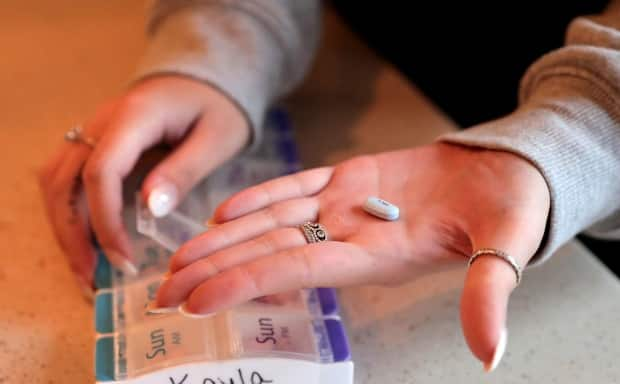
453 200
82 186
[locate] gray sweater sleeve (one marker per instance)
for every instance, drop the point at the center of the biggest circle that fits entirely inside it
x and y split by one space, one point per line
254 51
568 126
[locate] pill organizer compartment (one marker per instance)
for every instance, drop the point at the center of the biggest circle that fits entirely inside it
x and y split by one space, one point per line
284 335
176 340
163 343
125 306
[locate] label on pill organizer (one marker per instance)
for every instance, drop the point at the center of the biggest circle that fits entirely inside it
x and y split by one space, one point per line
176 340
275 335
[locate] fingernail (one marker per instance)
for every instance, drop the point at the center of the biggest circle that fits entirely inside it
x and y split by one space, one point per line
210 223
120 262
128 268
183 309
162 199
153 309
499 352
86 289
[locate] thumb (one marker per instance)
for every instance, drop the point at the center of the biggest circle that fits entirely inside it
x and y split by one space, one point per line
491 279
213 140
484 304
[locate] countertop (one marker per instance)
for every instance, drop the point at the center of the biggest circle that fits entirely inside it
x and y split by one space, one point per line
61 59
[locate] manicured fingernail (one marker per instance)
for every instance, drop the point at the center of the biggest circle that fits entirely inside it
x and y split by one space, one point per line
153 309
211 223
128 268
162 199
183 309
120 262
499 352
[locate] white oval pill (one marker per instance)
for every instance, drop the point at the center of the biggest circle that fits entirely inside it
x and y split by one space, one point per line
381 208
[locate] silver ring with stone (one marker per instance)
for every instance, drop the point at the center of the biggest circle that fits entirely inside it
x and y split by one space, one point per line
314 232
75 135
502 255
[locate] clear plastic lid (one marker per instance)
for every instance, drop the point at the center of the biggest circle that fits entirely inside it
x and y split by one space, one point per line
125 306
171 340
284 335
167 342
171 231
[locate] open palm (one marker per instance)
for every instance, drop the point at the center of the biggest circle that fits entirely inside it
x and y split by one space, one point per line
452 200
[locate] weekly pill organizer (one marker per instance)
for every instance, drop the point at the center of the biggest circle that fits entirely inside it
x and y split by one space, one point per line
294 337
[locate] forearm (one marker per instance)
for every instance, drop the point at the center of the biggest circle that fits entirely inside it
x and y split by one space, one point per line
253 51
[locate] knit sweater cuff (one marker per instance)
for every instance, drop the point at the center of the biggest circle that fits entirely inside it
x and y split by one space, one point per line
569 130
223 48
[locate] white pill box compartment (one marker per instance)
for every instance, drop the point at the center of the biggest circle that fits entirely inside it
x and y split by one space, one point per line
279 348
125 306
295 327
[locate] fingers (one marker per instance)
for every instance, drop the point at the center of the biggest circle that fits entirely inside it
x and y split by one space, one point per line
212 141
180 284
66 208
490 281
484 305
110 161
298 185
328 263
288 213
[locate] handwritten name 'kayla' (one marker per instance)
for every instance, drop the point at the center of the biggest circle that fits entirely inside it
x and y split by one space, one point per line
239 378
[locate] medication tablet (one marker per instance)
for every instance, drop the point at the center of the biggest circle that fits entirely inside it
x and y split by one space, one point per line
381 208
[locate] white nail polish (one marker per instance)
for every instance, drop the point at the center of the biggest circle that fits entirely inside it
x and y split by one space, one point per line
183 309
162 199
121 263
128 268
499 352
153 309
210 223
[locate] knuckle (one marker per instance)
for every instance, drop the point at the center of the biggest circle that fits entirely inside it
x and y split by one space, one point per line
94 171
184 177
251 279
272 213
209 267
306 269
282 213
180 259
262 191
267 243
